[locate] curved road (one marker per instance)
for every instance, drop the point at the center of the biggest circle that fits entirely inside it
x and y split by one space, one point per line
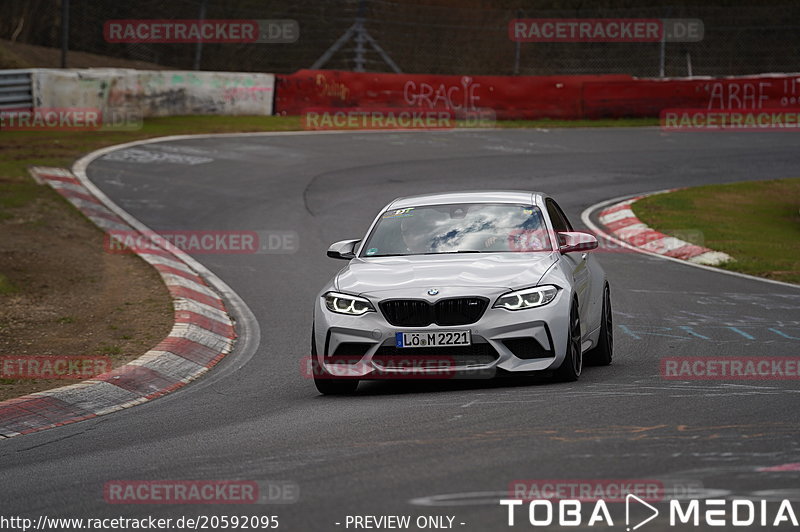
434 449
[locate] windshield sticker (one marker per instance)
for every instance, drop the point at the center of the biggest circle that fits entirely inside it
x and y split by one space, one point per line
399 213
372 251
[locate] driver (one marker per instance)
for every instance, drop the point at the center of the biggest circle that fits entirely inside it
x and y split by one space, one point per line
413 230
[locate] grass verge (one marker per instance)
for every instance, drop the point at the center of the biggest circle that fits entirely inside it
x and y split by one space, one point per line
756 222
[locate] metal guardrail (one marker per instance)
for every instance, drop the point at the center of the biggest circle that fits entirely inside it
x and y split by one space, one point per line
16 89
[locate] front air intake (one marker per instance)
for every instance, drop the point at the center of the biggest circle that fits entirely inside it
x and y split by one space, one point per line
527 348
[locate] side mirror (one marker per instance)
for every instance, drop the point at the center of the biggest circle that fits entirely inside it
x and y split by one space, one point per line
576 241
344 249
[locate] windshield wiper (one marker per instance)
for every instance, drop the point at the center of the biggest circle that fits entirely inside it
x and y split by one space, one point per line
453 252
428 253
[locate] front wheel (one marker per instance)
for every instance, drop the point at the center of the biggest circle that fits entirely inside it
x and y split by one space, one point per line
570 369
603 353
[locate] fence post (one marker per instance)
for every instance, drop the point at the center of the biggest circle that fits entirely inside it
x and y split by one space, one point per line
198 51
517 45
64 32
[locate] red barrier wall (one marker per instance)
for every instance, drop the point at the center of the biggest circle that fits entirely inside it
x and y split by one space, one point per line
647 97
510 97
531 97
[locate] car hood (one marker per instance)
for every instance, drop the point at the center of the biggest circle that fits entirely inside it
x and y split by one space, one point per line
497 270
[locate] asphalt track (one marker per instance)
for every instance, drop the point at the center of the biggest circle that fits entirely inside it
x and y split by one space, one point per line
436 448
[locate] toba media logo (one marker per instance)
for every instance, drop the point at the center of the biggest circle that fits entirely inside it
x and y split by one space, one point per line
681 513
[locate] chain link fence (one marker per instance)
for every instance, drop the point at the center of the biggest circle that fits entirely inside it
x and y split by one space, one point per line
437 37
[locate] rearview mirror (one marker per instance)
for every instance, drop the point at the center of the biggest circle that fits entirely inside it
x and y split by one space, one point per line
344 249
576 241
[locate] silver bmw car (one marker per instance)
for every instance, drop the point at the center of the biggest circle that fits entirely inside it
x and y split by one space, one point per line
462 284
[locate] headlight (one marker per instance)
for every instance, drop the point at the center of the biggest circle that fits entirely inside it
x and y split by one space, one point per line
528 298
347 304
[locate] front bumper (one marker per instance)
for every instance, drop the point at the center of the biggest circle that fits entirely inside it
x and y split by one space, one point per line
364 346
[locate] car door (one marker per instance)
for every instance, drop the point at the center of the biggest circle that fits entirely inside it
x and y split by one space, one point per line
576 262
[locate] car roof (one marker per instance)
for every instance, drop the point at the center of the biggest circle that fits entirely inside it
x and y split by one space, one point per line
467 196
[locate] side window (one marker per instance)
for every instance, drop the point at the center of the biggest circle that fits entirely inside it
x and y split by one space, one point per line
560 222
563 217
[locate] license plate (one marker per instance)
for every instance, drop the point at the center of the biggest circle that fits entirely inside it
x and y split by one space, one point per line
433 339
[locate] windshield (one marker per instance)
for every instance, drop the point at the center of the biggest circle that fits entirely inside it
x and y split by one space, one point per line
458 228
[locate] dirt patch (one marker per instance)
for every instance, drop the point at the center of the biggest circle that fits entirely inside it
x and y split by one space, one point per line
66 296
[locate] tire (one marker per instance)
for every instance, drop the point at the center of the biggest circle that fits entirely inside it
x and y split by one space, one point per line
570 369
604 352
326 383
